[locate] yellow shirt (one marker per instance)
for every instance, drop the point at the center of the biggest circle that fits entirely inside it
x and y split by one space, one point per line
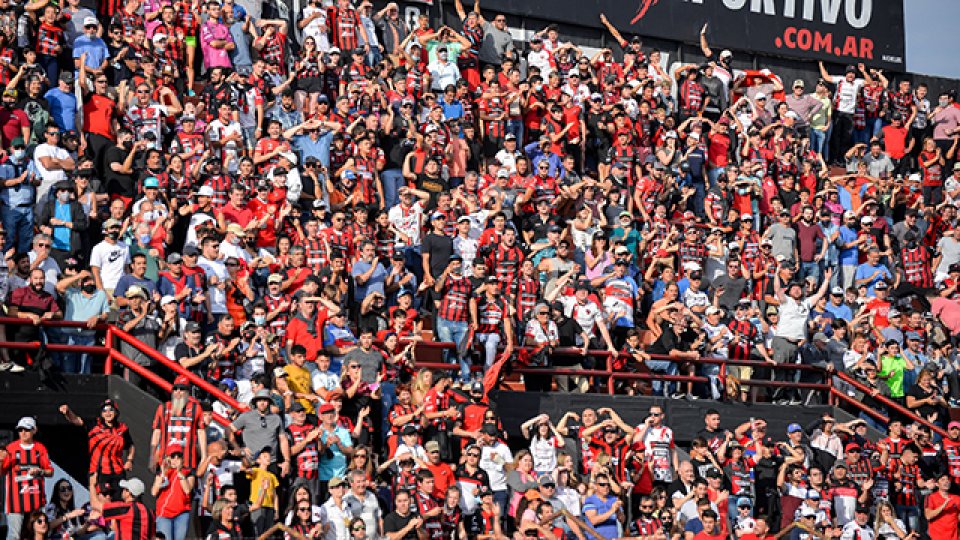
256 477
299 381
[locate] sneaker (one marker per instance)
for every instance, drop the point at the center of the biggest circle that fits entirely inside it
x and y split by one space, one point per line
954 403
677 395
11 367
794 401
692 397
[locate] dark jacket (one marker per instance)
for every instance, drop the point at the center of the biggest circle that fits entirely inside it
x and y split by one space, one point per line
77 216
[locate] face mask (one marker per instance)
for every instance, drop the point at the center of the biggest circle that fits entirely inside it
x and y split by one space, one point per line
63 196
128 145
944 102
145 238
260 320
19 154
149 216
442 55
8 104
235 241
89 288
113 235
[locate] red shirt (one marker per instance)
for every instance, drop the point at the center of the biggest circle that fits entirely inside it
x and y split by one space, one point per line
22 492
944 526
232 214
443 478
172 499
12 122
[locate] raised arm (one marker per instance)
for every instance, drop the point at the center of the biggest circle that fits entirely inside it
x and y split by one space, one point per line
704 47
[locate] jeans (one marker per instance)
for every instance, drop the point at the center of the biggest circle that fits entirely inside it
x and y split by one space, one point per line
14 525
77 362
699 197
454 332
388 391
490 344
809 268
516 127
818 141
174 528
849 271
910 515
502 498
18 222
663 367
392 180
713 174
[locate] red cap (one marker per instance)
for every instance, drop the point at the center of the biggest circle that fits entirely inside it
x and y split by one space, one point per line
174 448
182 380
326 408
689 215
851 447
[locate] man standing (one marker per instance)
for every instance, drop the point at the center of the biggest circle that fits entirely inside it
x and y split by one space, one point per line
109 258
454 289
24 464
263 429
84 303
32 302
179 421
17 186
134 519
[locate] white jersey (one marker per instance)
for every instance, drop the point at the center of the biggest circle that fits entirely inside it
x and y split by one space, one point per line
847 94
544 452
588 316
540 59
658 449
408 221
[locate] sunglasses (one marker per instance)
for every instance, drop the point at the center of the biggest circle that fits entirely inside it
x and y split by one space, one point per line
304 509
66 489
603 484
355 529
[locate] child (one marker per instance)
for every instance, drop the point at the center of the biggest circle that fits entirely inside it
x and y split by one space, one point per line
263 492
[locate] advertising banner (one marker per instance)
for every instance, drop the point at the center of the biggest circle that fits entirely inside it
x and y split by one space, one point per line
840 31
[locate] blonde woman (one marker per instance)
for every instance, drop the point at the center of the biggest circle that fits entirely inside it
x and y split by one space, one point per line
421 385
887 526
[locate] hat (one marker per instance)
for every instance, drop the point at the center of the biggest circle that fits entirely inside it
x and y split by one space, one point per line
713 310
66 76
151 182
547 480
409 429
261 394
279 373
760 95
714 472
813 494
821 337
913 336
726 53
573 73
798 83
326 408
431 446
744 501
793 428
336 481
882 285
956 166
90 21
297 407
319 203
275 278
510 137
167 299
12 92
112 222
27 422
837 291
235 228
229 383
746 216
205 191
862 509
158 37
484 491
174 258
174 448
853 447
133 485
192 326
191 251
135 291
850 69
953 424
477 386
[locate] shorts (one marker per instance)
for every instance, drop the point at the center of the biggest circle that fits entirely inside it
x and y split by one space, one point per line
309 85
190 41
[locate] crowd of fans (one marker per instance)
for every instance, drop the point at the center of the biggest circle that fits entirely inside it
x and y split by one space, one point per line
288 212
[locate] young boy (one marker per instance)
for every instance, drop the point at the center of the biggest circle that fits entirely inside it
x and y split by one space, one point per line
263 492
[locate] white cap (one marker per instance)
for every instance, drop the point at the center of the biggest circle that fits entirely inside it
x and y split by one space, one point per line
806 511
694 135
168 299
205 191
289 156
133 485
793 114
27 422
760 95
726 53
691 266
713 310
159 36
670 135
866 219
849 214
91 21
915 177
573 73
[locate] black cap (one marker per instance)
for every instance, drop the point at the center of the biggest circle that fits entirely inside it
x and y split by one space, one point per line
409 429
297 407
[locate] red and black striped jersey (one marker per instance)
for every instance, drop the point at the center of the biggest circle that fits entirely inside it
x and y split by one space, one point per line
23 492
505 262
425 503
134 520
456 294
181 427
308 459
107 445
525 292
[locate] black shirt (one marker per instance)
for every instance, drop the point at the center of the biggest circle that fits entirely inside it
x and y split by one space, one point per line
394 522
118 183
440 248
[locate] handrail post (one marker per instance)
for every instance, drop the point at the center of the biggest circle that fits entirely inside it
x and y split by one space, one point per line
108 341
723 381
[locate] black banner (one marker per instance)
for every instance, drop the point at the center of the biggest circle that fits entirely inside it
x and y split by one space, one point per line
839 31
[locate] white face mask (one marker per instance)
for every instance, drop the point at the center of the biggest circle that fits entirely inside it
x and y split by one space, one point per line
19 154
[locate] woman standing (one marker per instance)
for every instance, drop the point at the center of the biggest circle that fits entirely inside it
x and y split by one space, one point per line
109 440
224 526
521 479
172 489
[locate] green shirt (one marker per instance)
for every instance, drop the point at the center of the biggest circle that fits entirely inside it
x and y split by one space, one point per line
153 265
893 367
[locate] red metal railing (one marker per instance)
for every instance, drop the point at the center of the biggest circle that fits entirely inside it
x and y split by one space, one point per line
890 404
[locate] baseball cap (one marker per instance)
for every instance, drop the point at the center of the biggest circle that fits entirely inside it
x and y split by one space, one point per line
192 326
275 278
806 511
174 448
135 291
205 191
431 446
174 258
409 429
336 481
953 424
133 485
852 447
744 501
27 422
794 427
327 408
168 299
798 83
279 373
760 95
821 337
837 291
882 285
91 21
813 494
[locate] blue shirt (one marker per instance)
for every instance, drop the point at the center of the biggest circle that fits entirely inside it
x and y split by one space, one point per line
333 462
21 194
95 48
129 280
63 108
842 311
451 110
865 270
374 284
608 528
848 256
80 307
320 149
61 234
536 155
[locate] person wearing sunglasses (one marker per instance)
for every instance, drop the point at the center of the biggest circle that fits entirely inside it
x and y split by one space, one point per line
603 509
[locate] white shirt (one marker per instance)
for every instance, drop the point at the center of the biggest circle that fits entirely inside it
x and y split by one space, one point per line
314 28
407 221
847 94
230 152
492 460
338 517
48 177
540 59
111 259
443 74
218 298
793 318
467 249
51 272
587 315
